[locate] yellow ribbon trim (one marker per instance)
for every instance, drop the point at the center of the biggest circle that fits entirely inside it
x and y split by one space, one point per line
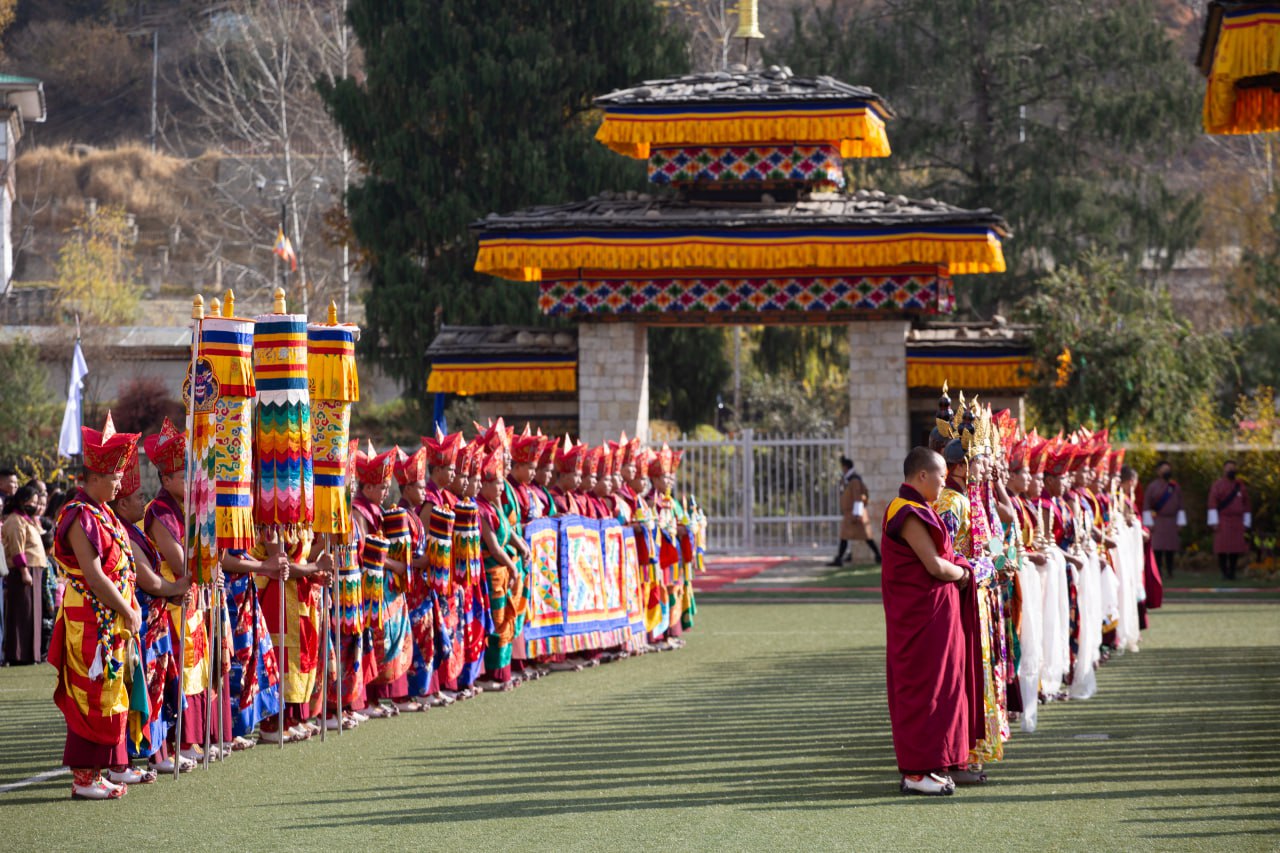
1248 46
857 133
525 377
522 259
977 375
897 505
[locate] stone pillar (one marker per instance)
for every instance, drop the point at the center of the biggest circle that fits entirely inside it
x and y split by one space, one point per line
613 381
878 418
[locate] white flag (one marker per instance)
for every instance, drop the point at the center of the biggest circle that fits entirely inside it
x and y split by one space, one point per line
69 440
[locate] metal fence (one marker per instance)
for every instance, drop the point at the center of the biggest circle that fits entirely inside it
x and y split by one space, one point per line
765 493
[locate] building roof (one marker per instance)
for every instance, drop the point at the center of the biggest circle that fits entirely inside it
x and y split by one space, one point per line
26 94
645 212
773 85
491 341
993 335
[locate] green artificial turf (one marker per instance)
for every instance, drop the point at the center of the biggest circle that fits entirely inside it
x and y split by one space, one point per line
767 732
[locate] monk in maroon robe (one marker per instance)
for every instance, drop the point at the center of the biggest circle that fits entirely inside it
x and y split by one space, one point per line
927 665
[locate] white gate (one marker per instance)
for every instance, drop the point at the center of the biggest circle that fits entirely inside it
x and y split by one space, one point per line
764 493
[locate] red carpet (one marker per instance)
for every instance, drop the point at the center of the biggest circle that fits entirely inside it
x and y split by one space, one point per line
725 570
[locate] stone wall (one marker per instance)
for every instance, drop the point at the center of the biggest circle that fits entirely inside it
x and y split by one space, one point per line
613 381
878 408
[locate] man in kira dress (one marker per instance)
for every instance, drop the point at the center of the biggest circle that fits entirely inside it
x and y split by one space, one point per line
506 587
1230 517
147 735
164 524
392 642
99 618
928 658
423 682
568 478
444 459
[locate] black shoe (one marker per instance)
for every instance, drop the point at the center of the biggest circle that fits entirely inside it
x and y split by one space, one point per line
835 563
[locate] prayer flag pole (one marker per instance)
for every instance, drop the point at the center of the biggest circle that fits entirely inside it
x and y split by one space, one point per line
197 314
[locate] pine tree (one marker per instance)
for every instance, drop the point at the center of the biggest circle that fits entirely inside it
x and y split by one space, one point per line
466 107
1055 114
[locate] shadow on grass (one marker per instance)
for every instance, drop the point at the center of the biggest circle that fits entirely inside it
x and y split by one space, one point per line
796 731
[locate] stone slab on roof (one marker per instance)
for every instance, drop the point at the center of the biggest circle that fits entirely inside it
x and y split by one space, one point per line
503 340
643 211
995 334
773 85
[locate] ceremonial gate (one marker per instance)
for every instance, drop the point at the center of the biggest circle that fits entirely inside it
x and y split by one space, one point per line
764 492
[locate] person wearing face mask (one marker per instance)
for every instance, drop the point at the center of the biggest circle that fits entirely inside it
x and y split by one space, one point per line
1230 519
1162 511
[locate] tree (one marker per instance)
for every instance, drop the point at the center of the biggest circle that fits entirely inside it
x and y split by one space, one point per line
467 107
1257 295
96 279
284 164
1054 114
1111 352
30 417
687 370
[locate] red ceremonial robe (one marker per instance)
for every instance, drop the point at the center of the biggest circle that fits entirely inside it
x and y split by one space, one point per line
928 659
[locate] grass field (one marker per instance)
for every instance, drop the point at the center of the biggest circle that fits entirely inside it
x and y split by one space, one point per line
768 732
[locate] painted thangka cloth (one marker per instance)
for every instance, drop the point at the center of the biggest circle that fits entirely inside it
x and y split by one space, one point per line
284 500
584 586
226 343
334 385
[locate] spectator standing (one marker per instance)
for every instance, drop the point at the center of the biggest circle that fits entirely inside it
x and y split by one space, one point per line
24 585
1162 512
1230 518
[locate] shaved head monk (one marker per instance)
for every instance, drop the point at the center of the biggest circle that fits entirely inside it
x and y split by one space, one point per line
926 649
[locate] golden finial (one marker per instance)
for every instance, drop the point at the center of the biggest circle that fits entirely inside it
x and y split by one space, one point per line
333 313
279 307
197 307
748 20
229 304
215 307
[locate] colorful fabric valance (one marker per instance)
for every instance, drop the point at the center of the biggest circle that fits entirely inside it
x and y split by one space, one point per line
1241 97
854 128
924 290
506 374
969 368
790 164
523 257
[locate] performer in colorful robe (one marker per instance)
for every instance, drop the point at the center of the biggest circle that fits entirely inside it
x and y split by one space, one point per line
677 584
957 512
253 684
928 661
165 527
505 583
476 624
568 465
389 627
299 658
99 621
449 599
1230 519
422 681
149 723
